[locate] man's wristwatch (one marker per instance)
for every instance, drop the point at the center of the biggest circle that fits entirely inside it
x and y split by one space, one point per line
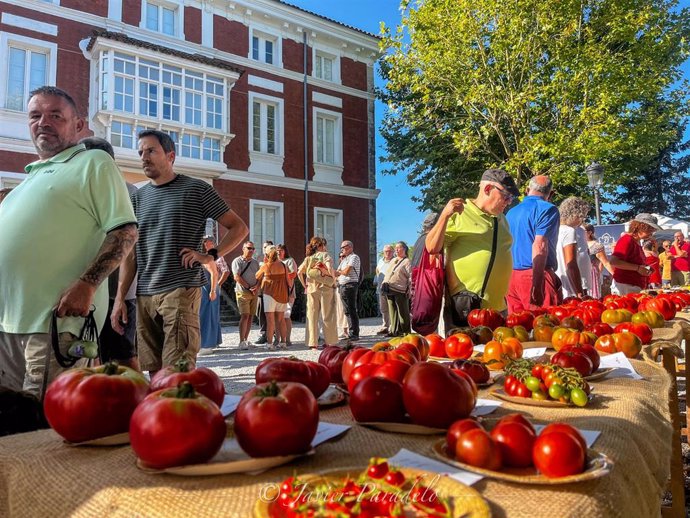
213 252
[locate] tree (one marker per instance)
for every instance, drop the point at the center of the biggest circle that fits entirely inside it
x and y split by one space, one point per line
662 186
530 86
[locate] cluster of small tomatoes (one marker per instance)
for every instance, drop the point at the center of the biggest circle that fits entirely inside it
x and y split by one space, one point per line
542 382
382 491
558 451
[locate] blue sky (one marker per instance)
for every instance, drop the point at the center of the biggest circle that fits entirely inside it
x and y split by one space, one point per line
397 215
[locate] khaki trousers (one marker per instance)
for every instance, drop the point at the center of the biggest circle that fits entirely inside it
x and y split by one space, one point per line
321 301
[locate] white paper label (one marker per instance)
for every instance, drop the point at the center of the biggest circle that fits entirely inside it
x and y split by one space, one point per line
485 407
622 368
411 459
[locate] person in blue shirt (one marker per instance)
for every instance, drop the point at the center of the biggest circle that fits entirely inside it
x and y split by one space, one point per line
534 225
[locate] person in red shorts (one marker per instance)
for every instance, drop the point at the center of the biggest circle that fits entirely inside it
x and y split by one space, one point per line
652 259
630 271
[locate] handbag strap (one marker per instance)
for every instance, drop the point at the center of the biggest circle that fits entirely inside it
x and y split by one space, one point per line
493 257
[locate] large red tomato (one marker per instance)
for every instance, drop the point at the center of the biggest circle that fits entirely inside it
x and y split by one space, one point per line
175 427
333 357
437 346
203 379
485 317
457 429
643 331
558 454
566 428
560 312
662 305
394 370
521 318
587 316
476 448
627 343
515 440
313 375
574 359
378 400
361 372
83 403
350 361
600 328
435 396
276 419
587 349
459 346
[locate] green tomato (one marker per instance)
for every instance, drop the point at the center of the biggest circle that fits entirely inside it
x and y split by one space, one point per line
532 383
556 391
540 395
578 397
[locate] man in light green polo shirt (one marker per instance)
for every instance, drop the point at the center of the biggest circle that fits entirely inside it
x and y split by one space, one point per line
63 230
465 230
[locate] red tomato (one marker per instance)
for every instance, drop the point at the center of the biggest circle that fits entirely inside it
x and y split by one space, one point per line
419 342
377 468
459 346
313 375
175 427
276 419
662 305
510 384
350 361
395 478
476 369
558 454
517 418
485 317
333 357
378 400
437 346
203 379
477 448
469 380
566 428
560 312
600 328
407 347
627 343
457 429
360 373
522 391
515 440
587 349
574 359
643 331
435 396
521 318
87 403
587 316
394 370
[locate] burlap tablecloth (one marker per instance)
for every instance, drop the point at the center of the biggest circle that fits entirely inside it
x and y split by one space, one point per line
41 476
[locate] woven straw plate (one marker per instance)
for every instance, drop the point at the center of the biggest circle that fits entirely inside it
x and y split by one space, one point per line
408 428
119 439
332 397
597 466
465 501
501 394
599 374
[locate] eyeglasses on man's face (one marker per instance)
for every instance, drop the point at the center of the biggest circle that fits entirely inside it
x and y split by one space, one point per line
507 197
249 248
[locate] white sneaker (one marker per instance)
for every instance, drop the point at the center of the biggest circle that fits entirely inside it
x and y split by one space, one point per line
251 345
271 347
243 346
282 345
204 352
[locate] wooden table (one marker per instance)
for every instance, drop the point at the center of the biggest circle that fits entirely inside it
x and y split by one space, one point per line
42 476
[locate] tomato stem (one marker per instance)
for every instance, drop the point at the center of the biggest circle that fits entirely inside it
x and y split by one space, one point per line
185 390
270 390
182 365
111 368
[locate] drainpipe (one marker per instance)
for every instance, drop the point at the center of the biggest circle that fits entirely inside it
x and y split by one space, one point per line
306 145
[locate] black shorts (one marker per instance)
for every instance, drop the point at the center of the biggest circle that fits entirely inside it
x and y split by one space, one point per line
115 346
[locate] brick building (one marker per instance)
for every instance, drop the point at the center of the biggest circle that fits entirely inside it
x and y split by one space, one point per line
229 80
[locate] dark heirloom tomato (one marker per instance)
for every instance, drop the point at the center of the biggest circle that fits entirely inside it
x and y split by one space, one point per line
587 349
175 427
574 359
87 403
333 357
476 369
276 419
203 379
435 396
377 399
313 375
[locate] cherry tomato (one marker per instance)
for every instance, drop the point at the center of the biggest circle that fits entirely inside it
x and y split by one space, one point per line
377 468
532 383
556 391
395 478
578 397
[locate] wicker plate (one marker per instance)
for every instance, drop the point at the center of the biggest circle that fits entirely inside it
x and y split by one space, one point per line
599 374
465 501
597 466
119 439
408 428
501 394
332 397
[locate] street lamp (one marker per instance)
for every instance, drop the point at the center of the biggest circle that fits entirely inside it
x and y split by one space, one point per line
595 176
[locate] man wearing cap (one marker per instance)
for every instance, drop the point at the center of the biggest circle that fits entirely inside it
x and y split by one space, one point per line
427 225
630 270
534 225
680 267
469 231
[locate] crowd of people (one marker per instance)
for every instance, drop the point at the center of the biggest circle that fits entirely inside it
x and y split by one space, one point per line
161 302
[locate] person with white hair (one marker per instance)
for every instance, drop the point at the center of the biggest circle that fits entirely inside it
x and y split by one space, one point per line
574 266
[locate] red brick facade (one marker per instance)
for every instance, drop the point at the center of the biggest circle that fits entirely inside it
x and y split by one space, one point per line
231 37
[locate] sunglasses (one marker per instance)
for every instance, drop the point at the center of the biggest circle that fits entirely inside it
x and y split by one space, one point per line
250 248
505 194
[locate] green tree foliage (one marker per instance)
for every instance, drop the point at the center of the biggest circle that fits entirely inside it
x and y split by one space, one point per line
532 86
661 186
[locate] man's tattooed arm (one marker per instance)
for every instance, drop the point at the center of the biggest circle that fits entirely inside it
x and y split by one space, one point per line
117 245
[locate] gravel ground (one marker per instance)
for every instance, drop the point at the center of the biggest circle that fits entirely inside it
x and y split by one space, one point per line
236 367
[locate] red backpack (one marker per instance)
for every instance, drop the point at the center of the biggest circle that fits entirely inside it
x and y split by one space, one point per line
428 281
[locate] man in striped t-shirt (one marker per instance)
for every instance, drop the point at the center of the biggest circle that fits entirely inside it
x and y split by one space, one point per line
348 286
172 212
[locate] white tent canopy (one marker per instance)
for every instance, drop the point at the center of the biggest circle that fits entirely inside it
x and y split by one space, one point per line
669 223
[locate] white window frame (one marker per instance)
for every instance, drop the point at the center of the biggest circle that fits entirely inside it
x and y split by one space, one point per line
266 35
176 6
11 180
280 117
335 71
333 247
8 39
324 172
280 230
